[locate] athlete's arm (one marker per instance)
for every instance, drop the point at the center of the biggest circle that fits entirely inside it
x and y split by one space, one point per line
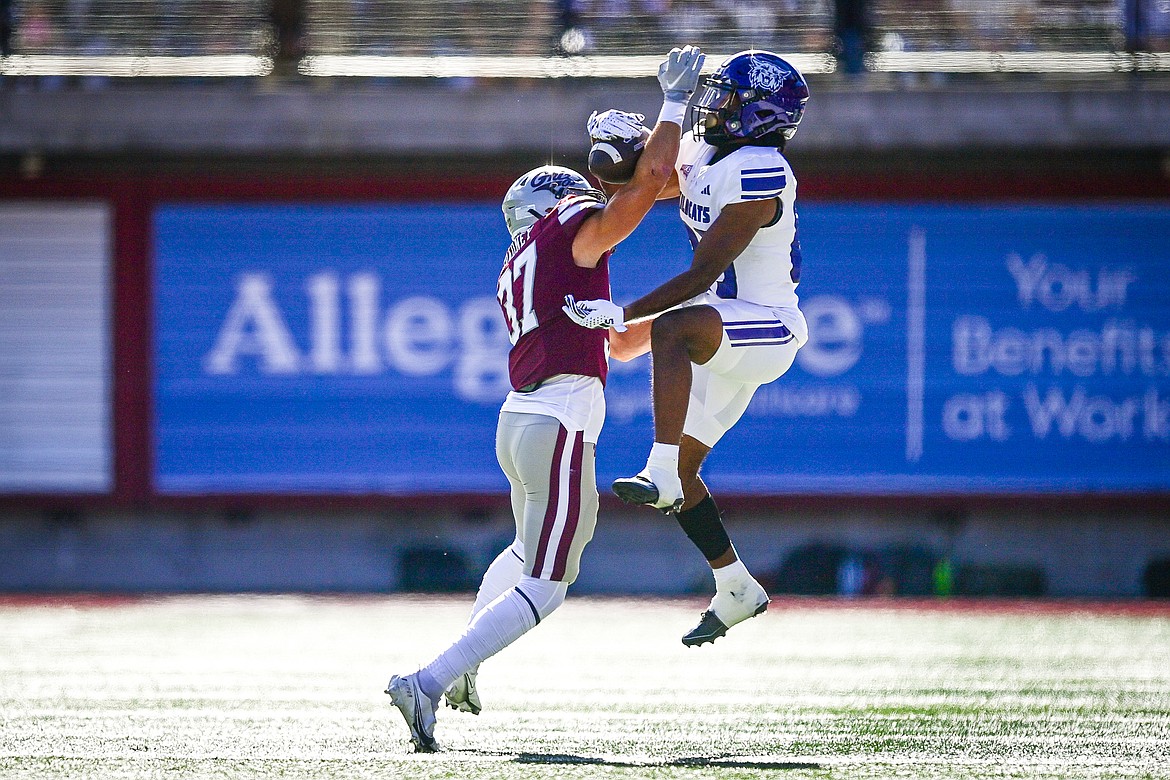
628 344
607 227
671 190
602 231
729 235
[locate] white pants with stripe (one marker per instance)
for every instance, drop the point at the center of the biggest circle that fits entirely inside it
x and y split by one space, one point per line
757 348
553 481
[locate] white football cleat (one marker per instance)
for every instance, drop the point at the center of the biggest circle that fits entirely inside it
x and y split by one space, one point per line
742 601
657 487
463 696
418 710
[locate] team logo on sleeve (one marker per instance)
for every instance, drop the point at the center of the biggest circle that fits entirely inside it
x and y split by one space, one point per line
686 170
765 75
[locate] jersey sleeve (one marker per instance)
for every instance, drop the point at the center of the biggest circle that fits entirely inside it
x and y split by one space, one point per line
756 174
577 205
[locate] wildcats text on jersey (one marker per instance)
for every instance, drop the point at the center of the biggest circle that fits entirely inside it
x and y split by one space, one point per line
694 211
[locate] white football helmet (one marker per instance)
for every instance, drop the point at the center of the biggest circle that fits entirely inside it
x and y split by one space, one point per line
537 192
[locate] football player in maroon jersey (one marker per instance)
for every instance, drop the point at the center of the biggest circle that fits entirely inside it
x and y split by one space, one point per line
563 233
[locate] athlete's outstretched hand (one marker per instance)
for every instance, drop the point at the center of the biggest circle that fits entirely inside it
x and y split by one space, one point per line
595 314
679 74
614 125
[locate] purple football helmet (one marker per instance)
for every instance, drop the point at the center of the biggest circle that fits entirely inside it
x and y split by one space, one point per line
753 94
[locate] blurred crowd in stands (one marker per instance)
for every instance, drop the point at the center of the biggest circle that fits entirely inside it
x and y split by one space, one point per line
80 27
290 29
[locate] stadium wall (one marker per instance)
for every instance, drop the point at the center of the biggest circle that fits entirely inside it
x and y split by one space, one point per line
122 532
134 536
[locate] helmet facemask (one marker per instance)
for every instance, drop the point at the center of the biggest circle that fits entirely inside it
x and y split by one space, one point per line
717 107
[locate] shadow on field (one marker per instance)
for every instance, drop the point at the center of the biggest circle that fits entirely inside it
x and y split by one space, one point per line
716 761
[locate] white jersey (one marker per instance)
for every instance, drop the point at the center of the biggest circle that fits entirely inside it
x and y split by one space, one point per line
768 270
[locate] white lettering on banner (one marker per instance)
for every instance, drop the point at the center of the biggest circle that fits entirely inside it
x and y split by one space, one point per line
834 343
364 290
1119 347
778 400
324 327
481 374
1057 287
349 333
416 336
1097 418
1155 416
1114 348
253 326
835 332
968 416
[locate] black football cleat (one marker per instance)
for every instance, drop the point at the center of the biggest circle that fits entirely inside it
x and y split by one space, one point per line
636 490
737 605
641 491
709 629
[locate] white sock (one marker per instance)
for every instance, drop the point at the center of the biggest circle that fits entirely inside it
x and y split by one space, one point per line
503 573
496 626
664 455
728 575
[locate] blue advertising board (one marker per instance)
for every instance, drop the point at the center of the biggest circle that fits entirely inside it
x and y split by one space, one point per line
953 349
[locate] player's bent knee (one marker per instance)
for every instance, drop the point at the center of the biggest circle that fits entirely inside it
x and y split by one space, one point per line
667 328
544 595
697 330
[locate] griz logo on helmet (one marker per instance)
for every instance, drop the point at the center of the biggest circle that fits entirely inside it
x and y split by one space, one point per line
538 191
557 183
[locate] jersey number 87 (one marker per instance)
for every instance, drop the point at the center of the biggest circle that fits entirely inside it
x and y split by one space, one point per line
514 292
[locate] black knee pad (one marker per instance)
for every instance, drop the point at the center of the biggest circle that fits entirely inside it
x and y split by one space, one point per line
703 526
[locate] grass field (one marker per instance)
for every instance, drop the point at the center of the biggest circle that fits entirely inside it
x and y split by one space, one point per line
290 687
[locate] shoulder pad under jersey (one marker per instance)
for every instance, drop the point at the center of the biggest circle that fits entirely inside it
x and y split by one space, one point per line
575 204
755 173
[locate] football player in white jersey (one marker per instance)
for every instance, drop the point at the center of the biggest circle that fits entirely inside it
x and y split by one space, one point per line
729 323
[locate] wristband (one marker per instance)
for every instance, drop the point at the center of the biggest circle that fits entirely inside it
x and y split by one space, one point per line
673 112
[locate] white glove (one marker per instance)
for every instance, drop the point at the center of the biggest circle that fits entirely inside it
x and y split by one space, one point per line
595 314
615 125
679 74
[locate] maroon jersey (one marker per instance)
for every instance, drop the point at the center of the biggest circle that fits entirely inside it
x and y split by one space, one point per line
538 273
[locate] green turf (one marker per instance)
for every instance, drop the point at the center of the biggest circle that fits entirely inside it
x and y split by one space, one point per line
290 687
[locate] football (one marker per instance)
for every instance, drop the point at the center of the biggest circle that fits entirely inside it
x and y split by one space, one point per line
613 160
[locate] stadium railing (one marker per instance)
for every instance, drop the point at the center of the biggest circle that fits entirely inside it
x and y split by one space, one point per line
563 38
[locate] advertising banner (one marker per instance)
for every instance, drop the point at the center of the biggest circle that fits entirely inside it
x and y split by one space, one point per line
953 349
